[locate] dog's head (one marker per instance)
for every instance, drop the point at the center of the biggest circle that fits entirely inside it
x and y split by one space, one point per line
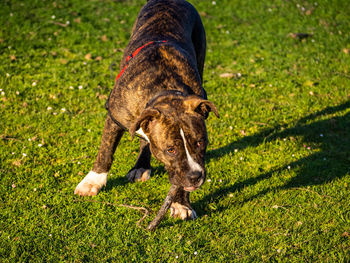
175 128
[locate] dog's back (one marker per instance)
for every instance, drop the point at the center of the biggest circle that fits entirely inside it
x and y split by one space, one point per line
171 20
174 60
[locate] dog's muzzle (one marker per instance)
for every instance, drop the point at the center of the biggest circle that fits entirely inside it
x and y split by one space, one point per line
197 179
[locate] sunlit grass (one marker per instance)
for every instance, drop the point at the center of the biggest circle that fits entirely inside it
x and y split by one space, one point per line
278 160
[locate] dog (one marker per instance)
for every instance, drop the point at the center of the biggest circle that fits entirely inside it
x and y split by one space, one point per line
159 97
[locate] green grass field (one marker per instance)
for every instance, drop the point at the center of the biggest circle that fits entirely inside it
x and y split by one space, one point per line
278 161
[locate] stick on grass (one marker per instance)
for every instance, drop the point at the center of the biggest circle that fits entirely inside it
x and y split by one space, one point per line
162 211
160 215
140 208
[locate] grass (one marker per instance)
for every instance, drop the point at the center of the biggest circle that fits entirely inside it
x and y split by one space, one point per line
278 160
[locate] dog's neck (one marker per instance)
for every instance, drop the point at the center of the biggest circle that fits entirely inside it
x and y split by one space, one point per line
167 93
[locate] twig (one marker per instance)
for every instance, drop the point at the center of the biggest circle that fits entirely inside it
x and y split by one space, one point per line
60 24
141 208
4 137
259 123
162 211
160 215
278 206
308 190
342 74
79 158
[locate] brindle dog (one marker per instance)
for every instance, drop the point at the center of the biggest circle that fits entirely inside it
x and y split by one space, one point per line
159 96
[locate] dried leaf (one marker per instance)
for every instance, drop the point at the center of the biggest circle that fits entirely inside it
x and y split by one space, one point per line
88 56
104 38
345 234
103 97
77 20
308 12
243 132
98 58
13 57
63 61
17 163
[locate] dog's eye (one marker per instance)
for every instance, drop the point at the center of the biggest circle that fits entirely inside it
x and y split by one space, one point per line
171 150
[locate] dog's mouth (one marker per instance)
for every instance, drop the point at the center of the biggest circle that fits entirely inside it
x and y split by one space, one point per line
194 187
190 188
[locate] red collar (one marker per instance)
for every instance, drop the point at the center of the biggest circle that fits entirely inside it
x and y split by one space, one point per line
134 54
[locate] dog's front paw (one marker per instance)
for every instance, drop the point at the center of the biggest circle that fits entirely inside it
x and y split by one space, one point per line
139 175
91 184
178 210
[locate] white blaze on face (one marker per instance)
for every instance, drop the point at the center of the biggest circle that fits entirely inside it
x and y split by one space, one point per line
193 165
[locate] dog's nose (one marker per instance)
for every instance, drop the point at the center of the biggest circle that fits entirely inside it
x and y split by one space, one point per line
194 176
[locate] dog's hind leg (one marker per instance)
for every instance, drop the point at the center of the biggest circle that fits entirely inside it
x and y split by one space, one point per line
142 169
97 177
181 207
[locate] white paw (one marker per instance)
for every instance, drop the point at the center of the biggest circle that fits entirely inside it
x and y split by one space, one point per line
180 211
91 184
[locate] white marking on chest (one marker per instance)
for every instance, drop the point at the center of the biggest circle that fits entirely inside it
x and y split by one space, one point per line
193 165
142 134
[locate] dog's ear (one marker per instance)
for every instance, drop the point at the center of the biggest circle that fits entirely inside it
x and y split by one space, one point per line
201 106
142 122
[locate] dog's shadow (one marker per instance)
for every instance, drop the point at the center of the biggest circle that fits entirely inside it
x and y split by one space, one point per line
122 180
116 181
330 134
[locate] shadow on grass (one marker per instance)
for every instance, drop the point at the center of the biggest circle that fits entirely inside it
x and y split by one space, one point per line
114 182
122 180
333 161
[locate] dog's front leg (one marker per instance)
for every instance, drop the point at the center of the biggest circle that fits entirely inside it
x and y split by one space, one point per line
181 207
142 169
97 177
